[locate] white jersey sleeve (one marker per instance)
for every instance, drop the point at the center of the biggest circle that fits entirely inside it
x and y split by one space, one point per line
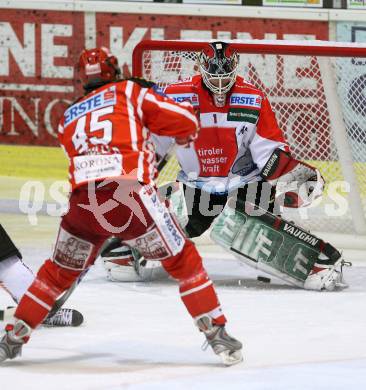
267 138
162 144
262 148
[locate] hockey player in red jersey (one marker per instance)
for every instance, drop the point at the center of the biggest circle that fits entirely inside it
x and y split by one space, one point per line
16 277
240 152
106 136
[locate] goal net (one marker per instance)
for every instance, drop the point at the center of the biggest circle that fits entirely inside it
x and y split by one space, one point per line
317 90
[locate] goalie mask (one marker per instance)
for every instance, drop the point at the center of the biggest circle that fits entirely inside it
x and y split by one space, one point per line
97 67
218 66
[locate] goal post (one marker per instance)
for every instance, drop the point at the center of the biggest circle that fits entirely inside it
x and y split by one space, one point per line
318 92
339 133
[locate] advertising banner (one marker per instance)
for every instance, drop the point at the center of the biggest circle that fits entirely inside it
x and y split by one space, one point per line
39 48
229 2
293 3
356 4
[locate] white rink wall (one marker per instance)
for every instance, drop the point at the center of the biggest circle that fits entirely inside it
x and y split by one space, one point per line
285 13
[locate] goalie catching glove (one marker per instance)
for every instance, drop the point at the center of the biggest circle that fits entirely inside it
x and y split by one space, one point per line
298 182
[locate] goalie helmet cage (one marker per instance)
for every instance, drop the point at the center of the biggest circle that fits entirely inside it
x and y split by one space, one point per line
317 90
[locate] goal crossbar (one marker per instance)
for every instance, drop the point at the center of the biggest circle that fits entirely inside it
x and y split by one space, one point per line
313 48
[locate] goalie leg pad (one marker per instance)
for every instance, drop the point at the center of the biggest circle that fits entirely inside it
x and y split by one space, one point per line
174 193
119 263
124 264
276 246
326 278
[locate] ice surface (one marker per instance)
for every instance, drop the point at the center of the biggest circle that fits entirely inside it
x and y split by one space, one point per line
139 336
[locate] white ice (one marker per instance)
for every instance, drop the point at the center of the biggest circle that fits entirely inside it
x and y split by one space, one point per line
139 336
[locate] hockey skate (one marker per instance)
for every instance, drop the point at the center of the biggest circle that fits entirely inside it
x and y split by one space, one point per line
326 277
64 317
225 346
12 342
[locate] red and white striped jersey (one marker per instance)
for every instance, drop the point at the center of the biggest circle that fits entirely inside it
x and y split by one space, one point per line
234 142
107 132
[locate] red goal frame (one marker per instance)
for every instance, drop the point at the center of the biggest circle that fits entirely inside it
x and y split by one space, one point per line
311 48
334 126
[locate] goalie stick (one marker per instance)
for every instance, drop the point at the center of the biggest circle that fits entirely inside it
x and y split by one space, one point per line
66 295
2 314
165 164
163 161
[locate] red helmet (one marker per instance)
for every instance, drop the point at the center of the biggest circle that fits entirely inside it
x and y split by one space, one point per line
97 67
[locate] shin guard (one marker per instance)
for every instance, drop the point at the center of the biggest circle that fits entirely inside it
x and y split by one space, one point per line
196 288
50 282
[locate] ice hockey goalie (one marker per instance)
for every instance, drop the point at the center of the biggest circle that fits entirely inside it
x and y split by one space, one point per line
268 242
259 238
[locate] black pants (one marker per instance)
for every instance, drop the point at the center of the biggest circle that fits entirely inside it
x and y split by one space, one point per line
204 207
7 247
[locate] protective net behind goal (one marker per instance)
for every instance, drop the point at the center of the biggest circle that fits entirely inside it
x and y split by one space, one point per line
317 91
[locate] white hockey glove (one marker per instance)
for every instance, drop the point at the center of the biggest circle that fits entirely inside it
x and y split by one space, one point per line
300 183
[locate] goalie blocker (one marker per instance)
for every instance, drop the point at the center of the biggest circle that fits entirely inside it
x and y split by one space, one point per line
297 182
280 248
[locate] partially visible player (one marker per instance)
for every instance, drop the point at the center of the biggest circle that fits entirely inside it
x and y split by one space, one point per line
106 135
16 277
240 152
